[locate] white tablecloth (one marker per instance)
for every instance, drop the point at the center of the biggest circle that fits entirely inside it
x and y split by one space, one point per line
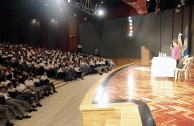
163 67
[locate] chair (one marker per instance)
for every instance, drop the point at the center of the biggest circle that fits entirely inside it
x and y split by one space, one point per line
185 70
191 70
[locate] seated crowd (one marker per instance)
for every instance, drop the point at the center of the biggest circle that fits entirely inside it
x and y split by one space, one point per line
25 70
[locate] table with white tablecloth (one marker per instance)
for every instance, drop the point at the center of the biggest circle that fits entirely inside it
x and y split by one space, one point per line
163 67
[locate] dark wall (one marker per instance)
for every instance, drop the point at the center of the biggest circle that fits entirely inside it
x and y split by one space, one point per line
34 31
0 31
154 31
166 34
146 34
90 35
192 31
52 34
39 32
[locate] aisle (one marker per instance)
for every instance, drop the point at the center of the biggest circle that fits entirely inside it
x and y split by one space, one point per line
62 108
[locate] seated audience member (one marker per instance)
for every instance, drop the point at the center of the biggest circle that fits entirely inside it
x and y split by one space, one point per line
13 93
11 109
24 90
21 106
5 81
46 88
30 85
44 80
78 71
95 67
7 115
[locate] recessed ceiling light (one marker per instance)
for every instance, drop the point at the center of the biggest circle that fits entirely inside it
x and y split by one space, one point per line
61 9
102 2
134 3
45 4
137 6
75 14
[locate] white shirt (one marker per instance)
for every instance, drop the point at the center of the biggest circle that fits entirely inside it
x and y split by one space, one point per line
11 90
5 83
6 95
29 83
36 80
21 87
43 78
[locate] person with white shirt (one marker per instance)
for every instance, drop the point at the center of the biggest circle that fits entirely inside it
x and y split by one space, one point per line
44 80
13 93
78 71
24 90
30 85
21 106
5 81
46 88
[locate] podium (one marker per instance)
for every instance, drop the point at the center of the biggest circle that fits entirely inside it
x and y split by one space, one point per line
145 56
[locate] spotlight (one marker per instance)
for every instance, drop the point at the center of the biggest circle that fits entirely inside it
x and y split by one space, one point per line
100 12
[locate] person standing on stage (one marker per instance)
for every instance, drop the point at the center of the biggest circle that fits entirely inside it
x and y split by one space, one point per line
175 50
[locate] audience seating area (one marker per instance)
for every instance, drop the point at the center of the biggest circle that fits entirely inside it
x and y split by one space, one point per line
25 73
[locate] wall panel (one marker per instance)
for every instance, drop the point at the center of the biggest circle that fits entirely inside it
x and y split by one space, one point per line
34 36
52 34
166 31
192 33
177 24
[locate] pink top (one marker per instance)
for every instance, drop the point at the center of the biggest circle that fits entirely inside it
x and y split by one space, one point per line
176 53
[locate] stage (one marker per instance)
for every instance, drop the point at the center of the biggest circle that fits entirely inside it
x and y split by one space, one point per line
164 102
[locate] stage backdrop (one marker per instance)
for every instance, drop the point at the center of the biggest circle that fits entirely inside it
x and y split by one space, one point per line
154 31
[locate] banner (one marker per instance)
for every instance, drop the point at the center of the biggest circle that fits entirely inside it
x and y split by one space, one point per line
185 45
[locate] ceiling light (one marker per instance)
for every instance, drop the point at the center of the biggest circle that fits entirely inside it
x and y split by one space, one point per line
69 1
100 12
61 9
52 20
137 6
130 34
75 14
45 4
102 2
134 3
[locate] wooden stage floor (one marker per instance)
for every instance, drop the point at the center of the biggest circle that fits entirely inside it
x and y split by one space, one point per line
171 103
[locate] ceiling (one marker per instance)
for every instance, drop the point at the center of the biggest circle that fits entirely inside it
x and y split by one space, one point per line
57 8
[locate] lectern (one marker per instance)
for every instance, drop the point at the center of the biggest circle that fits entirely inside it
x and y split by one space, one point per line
145 56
